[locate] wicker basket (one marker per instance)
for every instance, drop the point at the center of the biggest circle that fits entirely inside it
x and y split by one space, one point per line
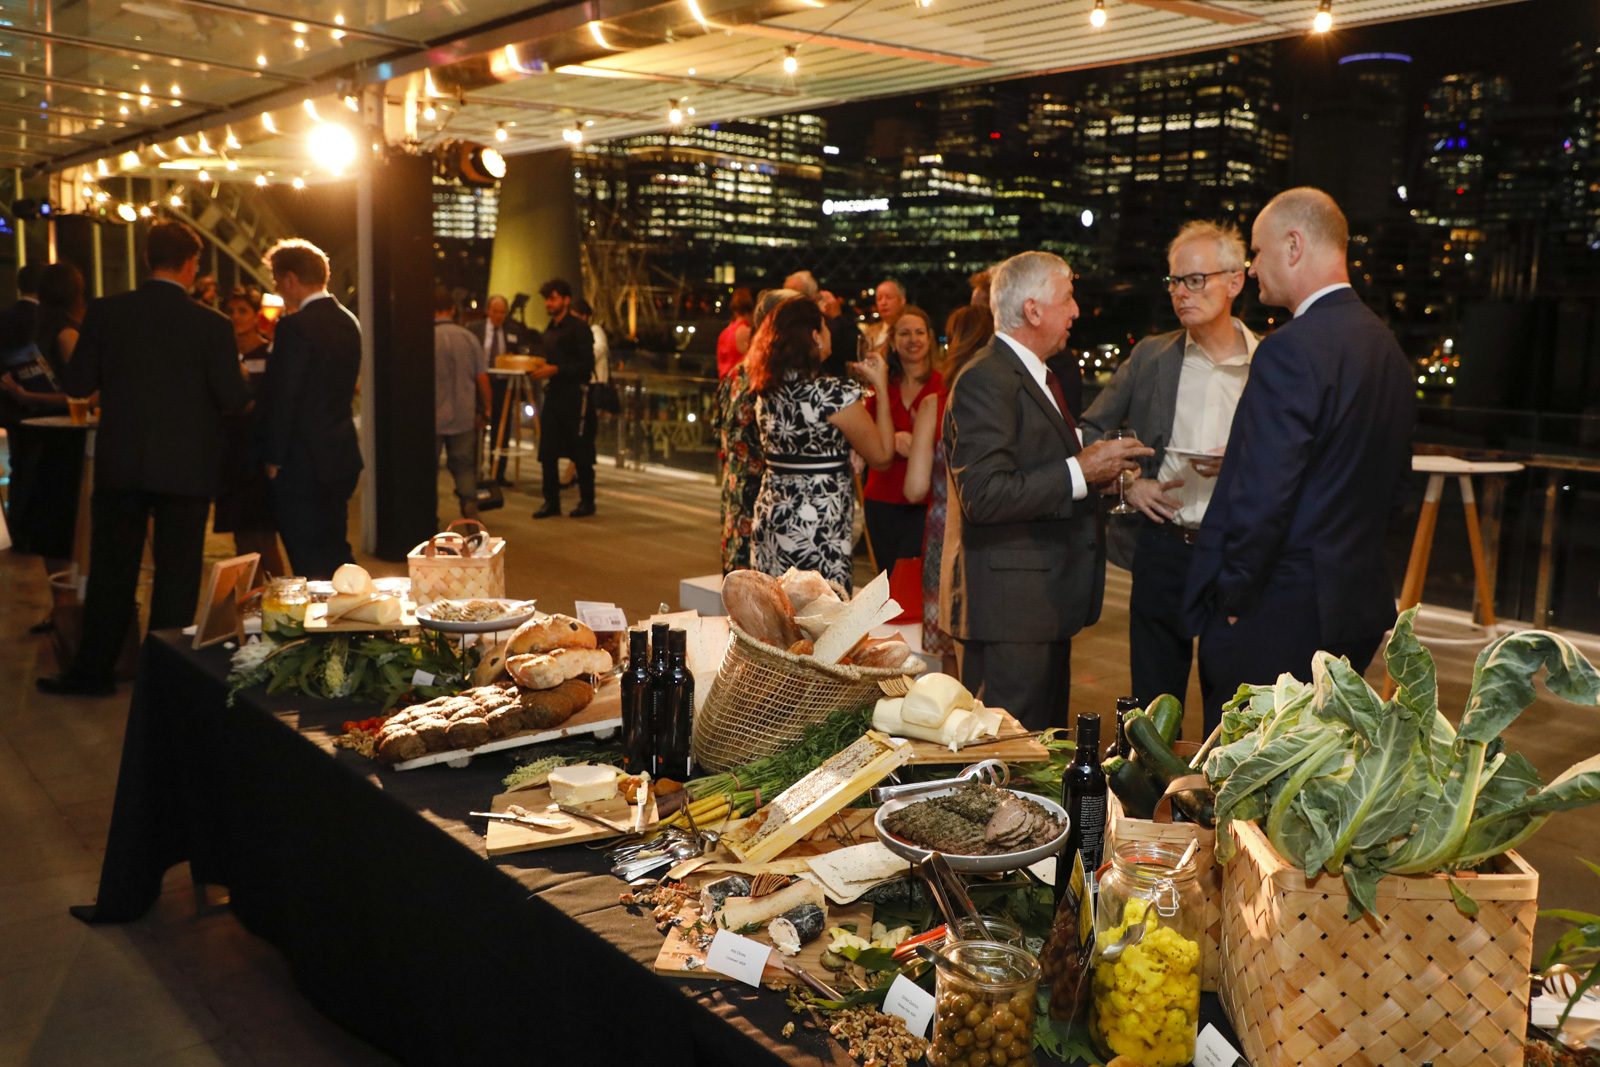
456 577
763 698
1120 826
1303 985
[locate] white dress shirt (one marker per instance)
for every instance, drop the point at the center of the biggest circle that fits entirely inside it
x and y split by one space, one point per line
1037 368
1208 393
1318 295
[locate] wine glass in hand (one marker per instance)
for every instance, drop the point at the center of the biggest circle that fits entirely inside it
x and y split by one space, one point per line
1123 507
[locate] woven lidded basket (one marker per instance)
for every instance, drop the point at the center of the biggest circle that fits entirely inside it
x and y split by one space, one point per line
1422 981
763 698
1120 826
448 575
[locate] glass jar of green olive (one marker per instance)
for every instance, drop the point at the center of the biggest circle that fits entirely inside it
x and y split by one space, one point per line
989 1022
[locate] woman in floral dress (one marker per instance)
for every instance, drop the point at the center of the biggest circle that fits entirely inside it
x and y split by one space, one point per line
809 422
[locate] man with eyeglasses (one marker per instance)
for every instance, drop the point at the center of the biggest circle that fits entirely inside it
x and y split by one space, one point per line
1291 553
1177 392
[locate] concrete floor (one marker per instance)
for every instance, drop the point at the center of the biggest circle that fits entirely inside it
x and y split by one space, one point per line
177 989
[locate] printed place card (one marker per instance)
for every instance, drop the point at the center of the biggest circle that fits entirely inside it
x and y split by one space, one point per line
911 1002
422 677
600 617
1213 1050
738 957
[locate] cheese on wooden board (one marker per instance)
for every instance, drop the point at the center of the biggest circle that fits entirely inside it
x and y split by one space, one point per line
960 727
582 783
364 607
747 913
352 578
932 698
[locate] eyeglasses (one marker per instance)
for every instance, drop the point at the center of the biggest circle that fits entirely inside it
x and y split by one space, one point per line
1194 282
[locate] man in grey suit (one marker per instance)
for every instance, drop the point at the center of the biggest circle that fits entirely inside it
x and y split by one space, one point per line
1177 390
500 335
1023 565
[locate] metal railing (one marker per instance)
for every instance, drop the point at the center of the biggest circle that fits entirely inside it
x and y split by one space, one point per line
666 419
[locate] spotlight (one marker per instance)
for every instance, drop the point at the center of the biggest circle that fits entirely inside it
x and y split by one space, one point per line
674 113
332 147
790 63
32 208
1097 17
470 164
127 212
1323 21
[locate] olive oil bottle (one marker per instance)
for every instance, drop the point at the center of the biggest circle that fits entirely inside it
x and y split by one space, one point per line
1083 794
638 732
673 758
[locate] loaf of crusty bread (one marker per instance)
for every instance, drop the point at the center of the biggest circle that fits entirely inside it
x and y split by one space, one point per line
550 669
548 633
492 667
891 652
545 709
804 587
760 607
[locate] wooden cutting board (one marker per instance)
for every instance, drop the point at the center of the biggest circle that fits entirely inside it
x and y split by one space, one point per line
1018 749
504 838
316 621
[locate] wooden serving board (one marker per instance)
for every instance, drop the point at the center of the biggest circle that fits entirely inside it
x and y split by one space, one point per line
603 713
504 838
1016 750
316 621
682 959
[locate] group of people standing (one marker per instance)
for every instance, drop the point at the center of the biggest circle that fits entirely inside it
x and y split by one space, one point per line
1262 470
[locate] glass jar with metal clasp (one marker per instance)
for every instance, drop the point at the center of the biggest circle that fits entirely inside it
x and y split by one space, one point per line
283 608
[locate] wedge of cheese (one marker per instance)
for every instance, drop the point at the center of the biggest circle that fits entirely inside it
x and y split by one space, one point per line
582 783
365 607
932 698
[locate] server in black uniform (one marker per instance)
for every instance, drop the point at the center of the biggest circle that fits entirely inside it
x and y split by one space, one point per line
566 427
167 373
308 434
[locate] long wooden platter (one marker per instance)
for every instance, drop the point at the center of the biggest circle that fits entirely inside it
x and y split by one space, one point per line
504 838
316 621
603 713
1018 745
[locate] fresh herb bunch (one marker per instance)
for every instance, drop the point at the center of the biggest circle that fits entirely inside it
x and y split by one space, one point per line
1345 782
371 669
1044 777
772 774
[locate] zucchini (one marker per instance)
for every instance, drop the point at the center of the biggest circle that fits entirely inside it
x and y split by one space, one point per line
1132 786
1154 757
1166 711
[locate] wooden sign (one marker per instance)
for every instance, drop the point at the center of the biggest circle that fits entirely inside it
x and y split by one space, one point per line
217 618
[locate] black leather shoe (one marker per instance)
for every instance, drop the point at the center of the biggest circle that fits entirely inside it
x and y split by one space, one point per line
68 686
583 510
45 627
546 512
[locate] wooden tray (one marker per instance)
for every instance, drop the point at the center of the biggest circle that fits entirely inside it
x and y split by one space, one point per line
603 713
1016 750
504 838
316 621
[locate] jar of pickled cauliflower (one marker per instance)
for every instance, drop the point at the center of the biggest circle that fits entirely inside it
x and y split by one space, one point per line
1145 1002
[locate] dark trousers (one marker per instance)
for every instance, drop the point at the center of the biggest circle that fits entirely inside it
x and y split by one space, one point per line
1160 648
497 394
895 531
552 481
1279 636
116 549
312 517
1031 680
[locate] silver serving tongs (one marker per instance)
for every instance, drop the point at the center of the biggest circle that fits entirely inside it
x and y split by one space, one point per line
991 771
949 893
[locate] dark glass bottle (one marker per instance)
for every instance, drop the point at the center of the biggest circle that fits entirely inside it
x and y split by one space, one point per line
1083 794
638 733
673 757
659 699
1118 744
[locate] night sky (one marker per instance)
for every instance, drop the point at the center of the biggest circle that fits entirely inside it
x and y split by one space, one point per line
1522 41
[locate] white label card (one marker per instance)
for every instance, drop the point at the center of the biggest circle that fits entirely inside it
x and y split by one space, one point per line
422 678
911 1002
1213 1050
600 617
738 957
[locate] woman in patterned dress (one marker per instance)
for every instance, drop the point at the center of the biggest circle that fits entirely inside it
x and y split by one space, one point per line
968 330
809 422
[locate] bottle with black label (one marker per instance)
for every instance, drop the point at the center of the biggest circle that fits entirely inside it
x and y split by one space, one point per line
638 732
1083 794
1118 744
659 700
673 757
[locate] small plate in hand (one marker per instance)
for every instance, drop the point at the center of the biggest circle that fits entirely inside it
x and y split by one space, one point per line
1192 453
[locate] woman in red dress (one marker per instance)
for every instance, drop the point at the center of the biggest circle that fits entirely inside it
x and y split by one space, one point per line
894 523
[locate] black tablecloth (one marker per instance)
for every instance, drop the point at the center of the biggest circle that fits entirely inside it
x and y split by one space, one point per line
392 919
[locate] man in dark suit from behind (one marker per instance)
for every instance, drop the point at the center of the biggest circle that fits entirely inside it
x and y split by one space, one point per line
500 335
1290 557
1023 566
308 434
167 371
16 321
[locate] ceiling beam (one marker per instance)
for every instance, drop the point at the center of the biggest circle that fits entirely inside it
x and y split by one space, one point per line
855 44
68 113
355 33
92 89
590 71
94 44
1200 9
533 105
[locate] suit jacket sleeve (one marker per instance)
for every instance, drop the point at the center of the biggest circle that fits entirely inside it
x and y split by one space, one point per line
1110 408
287 373
228 386
82 374
1270 447
980 433
573 353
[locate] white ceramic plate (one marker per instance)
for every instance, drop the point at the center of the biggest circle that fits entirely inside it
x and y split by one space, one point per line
1005 861
518 612
1192 453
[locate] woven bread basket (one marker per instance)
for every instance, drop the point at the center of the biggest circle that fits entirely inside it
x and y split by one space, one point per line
1420 981
763 698
447 575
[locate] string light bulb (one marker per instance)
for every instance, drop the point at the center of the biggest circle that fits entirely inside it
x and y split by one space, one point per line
574 135
204 176
232 141
500 132
311 109
1097 17
299 182
145 212
266 122
261 181
233 164
674 112
429 113
127 212
175 200
352 103
1322 22
790 62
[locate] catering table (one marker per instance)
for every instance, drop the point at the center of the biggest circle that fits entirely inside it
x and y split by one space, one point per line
380 895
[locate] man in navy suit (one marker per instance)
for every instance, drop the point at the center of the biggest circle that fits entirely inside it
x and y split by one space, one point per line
1290 557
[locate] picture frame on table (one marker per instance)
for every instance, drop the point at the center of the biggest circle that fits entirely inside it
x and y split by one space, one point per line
218 618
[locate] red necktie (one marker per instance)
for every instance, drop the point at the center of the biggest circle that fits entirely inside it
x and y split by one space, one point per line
1054 383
